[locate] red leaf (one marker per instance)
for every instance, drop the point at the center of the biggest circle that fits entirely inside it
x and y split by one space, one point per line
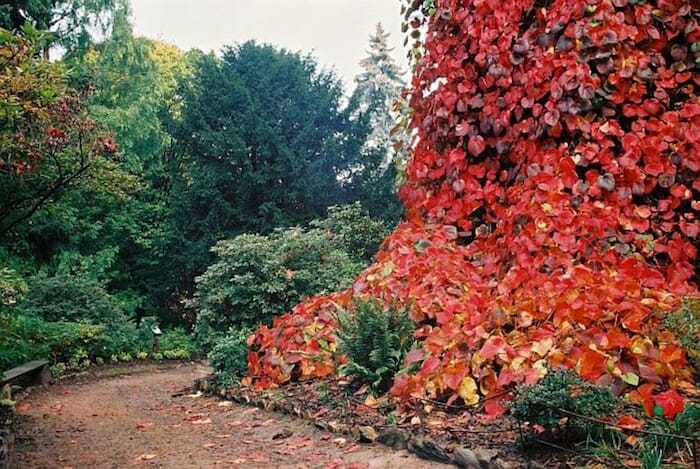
592 364
414 356
627 421
670 402
476 145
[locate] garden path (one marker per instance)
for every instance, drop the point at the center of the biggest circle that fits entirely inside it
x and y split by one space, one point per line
150 418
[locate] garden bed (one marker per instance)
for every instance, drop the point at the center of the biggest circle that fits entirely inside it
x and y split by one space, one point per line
431 430
435 431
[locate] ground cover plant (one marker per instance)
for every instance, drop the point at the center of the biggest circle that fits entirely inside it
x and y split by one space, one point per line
551 201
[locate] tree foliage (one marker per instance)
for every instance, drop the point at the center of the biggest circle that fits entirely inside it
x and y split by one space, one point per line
259 277
551 198
377 97
258 144
71 23
48 144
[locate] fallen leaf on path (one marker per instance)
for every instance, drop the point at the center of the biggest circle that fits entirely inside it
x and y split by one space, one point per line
314 458
258 456
222 436
22 408
358 465
335 464
201 422
209 445
263 424
351 448
225 404
146 457
320 413
195 395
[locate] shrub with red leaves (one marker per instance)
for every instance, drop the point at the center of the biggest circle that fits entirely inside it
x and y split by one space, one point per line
552 198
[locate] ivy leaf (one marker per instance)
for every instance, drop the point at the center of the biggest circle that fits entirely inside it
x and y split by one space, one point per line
468 391
669 403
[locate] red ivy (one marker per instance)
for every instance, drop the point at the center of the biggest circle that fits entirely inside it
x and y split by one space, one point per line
552 200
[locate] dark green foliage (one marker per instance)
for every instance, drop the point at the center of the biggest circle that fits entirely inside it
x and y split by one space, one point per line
259 144
356 233
229 356
561 389
259 277
375 340
71 298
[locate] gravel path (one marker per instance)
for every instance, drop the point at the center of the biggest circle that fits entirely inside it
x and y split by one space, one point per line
150 419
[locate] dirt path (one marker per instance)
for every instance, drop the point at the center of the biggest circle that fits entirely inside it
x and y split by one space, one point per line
150 419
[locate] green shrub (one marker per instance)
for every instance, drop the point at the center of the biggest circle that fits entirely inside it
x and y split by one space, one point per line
176 354
176 343
34 338
229 356
560 389
58 369
69 342
71 298
12 288
375 341
13 349
355 233
259 277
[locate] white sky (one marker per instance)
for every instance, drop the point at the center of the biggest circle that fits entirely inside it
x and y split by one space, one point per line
336 32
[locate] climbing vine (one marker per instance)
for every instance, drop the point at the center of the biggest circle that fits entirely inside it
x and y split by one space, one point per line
552 202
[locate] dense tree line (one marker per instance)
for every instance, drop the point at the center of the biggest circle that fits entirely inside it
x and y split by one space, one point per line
124 163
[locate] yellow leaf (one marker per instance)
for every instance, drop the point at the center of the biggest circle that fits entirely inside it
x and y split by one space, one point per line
542 347
467 391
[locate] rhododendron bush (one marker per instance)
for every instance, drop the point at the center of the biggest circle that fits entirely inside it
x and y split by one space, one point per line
552 203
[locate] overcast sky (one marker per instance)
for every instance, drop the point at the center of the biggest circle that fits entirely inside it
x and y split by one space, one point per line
336 32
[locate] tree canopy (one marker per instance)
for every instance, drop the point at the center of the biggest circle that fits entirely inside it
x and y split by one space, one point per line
72 23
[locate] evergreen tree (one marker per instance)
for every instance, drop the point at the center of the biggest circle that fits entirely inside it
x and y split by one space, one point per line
378 89
259 145
377 94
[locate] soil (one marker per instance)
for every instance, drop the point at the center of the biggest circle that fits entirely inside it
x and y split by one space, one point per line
151 417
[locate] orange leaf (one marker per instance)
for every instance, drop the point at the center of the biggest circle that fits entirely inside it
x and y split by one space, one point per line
627 421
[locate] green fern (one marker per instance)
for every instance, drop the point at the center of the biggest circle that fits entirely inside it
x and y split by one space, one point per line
375 341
